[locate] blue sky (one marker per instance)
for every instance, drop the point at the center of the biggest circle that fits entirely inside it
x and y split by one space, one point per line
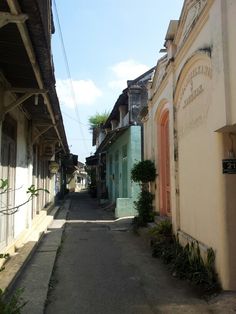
107 42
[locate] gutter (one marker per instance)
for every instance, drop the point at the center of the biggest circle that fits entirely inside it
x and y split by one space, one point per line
15 9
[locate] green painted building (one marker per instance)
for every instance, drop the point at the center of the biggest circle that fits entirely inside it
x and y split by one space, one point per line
119 147
122 153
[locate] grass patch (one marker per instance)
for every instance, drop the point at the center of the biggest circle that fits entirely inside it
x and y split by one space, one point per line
13 305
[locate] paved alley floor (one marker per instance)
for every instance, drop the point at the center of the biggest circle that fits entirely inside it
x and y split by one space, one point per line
103 268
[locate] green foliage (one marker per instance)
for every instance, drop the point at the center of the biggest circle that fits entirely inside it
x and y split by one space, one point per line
162 229
6 257
4 187
35 192
144 209
185 262
14 305
3 184
143 171
98 119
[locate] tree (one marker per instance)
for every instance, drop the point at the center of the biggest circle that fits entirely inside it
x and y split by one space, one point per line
98 119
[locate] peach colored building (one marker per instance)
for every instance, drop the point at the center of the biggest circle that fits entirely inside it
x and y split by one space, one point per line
192 121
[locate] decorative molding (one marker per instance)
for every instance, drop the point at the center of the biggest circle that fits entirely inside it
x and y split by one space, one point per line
159 75
191 13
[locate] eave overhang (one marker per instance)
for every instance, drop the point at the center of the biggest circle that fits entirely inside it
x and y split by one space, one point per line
26 64
110 138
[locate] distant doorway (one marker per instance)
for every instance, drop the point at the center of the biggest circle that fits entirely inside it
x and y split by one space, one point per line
124 172
116 174
164 164
110 191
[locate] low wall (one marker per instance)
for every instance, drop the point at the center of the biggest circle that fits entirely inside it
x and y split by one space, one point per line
125 207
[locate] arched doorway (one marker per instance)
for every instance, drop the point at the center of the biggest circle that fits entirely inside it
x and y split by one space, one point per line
164 163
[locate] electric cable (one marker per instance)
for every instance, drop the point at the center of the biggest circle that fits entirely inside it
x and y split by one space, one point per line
68 72
68 116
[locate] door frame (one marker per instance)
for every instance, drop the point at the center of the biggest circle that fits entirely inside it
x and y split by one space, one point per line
164 161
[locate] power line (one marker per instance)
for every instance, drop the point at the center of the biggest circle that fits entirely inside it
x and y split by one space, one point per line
68 71
68 116
80 139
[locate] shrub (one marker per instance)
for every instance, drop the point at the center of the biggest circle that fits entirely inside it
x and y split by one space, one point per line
143 171
185 262
144 208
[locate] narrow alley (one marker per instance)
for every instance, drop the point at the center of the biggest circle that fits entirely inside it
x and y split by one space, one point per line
110 111
103 267
89 263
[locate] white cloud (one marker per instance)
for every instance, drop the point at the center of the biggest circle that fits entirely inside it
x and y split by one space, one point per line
126 70
77 92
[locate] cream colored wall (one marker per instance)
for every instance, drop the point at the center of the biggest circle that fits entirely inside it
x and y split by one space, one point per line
22 175
228 218
206 198
72 184
205 206
229 13
23 172
208 34
196 143
200 189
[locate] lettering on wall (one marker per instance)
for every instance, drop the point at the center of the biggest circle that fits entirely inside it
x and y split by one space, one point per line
201 69
194 98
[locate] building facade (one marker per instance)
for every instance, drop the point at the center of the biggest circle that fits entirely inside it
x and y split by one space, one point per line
120 147
191 119
32 137
77 178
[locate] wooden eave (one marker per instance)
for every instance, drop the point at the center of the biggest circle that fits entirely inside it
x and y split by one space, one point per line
17 68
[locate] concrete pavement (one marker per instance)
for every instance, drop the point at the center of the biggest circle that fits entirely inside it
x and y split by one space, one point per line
103 268
35 277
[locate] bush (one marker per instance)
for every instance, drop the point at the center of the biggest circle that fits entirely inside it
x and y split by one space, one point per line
143 171
185 262
144 208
